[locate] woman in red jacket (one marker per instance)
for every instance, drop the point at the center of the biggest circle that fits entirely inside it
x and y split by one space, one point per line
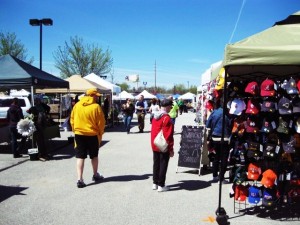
162 121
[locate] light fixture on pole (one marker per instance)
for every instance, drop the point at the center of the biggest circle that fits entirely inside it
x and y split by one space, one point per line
144 83
37 22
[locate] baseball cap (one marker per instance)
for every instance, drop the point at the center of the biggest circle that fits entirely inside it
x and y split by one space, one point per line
269 178
253 107
285 106
298 85
254 195
269 151
220 80
289 147
166 102
240 193
92 92
283 126
251 125
252 88
268 196
238 126
266 126
267 88
296 105
240 175
292 89
209 105
237 106
268 106
297 125
254 171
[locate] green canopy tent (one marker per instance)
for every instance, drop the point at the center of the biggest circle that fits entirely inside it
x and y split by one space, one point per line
271 53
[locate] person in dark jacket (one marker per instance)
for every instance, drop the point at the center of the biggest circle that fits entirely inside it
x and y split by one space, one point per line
14 115
128 110
214 127
162 121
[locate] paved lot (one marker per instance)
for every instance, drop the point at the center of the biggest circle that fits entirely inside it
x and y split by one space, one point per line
35 192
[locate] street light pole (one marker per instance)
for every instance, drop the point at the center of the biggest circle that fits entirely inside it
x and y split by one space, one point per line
145 83
37 22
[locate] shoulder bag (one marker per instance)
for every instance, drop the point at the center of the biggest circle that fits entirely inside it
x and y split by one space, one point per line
160 141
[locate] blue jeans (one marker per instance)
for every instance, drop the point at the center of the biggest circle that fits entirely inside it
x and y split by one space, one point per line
127 122
17 148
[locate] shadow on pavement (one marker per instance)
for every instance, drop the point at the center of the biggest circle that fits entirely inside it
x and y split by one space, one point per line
9 191
189 185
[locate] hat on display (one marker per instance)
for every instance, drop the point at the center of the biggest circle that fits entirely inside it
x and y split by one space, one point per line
240 193
283 126
269 178
240 175
237 106
292 88
252 88
235 88
267 88
269 151
268 196
285 106
251 125
253 107
298 85
209 105
296 105
289 147
268 106
166 102
254 171
266 126
238 126
284 85
254 195
297 125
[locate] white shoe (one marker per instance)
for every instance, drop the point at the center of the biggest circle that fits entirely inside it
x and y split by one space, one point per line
162 189
154 187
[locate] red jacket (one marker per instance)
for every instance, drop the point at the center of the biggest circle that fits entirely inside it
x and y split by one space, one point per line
162 121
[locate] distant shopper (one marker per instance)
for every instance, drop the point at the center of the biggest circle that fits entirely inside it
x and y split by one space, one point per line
40 111
106 108
162 121
14 115
128 110
140 109
154 107
214 126
180 104
88 122
174 110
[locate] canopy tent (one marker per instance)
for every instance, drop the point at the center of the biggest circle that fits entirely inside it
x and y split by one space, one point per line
77 85
273 52
123 96
17 74
146 95
115 89
188 96
176 96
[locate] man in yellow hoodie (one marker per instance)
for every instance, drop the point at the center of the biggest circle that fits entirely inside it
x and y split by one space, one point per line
88 122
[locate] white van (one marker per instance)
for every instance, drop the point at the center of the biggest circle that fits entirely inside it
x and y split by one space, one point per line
5 102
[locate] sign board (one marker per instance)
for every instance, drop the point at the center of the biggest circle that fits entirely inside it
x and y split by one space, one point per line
190 147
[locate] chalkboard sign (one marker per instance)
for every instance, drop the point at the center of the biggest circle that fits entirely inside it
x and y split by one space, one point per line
190 146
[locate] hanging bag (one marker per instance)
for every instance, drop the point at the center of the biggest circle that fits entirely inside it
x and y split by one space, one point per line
160 141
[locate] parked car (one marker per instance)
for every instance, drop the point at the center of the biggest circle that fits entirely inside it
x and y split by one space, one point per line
5 102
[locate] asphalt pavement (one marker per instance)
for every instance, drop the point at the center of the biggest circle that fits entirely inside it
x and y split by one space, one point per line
36 192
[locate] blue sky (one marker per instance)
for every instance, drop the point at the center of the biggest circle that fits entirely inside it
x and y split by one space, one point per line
183 37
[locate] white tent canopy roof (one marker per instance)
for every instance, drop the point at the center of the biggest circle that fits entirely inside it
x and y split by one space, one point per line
115 89
188 96
146 94
123 96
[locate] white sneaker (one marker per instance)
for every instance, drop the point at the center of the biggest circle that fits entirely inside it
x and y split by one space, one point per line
162 189
154 187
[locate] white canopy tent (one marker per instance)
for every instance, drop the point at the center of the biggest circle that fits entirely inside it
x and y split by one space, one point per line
115 89
188 96
123 96
146 94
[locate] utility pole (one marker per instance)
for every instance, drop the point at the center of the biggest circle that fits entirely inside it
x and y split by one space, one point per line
155 77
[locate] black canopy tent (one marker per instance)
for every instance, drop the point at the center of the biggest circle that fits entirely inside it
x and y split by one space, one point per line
17 74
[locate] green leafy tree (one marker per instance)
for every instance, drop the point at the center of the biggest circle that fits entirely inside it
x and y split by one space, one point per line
124 86
79 58
10 45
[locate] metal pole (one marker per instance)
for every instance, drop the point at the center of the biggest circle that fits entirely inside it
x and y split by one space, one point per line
41 34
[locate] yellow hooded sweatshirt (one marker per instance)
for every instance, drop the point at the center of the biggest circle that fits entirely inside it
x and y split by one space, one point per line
87 118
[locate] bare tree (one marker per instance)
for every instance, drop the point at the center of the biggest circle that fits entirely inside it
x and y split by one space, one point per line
10 45
79 58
